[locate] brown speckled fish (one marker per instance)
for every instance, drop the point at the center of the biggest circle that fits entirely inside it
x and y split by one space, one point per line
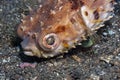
59 25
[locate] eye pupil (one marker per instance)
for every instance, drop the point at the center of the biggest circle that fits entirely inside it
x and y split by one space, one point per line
50 40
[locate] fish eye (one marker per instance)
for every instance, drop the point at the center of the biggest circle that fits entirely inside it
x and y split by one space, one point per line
49 42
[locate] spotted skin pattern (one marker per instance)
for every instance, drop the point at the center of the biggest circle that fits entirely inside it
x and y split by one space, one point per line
59 25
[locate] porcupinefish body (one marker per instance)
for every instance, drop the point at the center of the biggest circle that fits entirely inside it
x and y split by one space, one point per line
59 25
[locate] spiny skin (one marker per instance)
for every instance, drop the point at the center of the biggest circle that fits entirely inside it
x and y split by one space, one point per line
59 25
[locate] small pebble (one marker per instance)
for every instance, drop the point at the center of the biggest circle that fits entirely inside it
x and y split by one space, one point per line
119 29
105 34
50 64
1 53
4 60
1 10
107 58
111 32
102 73
118 57
94 77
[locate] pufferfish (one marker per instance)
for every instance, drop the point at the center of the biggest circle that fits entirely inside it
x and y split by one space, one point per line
59 25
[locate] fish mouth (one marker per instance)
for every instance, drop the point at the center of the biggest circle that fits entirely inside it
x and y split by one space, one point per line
28 52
